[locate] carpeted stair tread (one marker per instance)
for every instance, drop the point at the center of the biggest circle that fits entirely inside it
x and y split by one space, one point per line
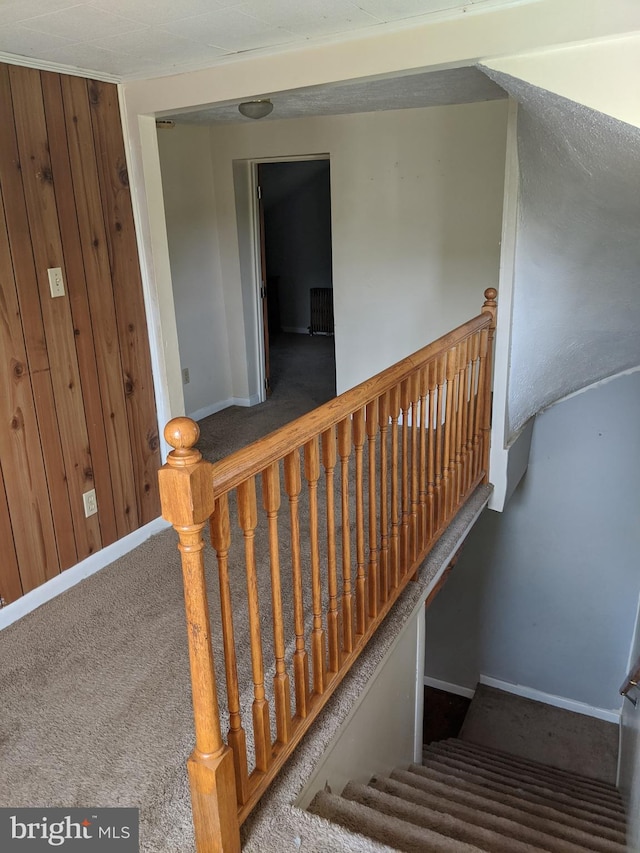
499 757
389 830
525 800
422 778
501 817
453 826
519 782
525 775
574 786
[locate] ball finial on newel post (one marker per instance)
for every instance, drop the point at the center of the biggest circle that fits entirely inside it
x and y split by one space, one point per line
182 434
490 305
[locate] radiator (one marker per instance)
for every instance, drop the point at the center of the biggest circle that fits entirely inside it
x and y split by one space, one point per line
321 311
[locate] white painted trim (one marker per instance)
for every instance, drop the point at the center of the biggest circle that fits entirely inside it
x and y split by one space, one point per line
57 67
260 367
499 453
70 577
199 414
253 400
610 716
467 692
421 637
213 409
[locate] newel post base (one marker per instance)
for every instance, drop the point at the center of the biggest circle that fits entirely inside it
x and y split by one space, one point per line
213 801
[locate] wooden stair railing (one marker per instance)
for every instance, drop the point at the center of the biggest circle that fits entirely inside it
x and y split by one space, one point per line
388 464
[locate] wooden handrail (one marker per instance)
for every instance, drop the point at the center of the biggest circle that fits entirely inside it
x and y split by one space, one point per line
250 460
389 463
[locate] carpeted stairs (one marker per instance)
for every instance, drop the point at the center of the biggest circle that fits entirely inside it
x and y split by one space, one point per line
467 797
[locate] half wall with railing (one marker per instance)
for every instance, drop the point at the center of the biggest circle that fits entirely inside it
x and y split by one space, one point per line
315 531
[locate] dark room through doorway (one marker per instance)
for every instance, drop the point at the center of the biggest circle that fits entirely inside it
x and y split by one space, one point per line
296 273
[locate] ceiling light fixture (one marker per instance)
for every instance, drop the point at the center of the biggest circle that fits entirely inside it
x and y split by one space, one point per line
256 109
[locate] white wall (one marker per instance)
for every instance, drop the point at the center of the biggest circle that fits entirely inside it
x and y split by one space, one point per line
378 735
416 202
443 41
545 594
629 775
596 74
189 203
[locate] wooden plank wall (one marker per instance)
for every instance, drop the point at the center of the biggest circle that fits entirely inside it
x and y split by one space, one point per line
77 405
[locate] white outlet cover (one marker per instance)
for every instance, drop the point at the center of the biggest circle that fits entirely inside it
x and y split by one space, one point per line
90 503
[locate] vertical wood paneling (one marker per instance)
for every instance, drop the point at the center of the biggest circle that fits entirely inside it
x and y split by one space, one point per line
20 449
77 409
37 177
76 288
127 288
36 359
10 586
86 187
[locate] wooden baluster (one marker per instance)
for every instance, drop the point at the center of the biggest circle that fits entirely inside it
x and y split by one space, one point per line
394 406
333 616
358 443
374 585
248 518
318 658
441 370
221 541
187 502
473 358
383 420
449 433
281 690
460 420
490 307
293 487
344 449
423 515
414 400
432 376
404 518
482 370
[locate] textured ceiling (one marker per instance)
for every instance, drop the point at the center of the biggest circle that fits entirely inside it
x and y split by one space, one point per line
576 298
127 39
437 88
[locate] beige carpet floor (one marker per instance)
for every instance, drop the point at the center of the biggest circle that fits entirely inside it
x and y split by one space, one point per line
95 706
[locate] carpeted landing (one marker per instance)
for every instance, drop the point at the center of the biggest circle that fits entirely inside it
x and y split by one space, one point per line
467 797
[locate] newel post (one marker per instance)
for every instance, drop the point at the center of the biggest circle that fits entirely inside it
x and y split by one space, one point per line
187 500
490 307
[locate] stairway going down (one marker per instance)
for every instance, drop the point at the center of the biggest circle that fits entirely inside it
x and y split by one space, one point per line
467 797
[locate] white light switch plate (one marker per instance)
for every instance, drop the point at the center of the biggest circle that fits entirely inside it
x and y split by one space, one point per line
56 282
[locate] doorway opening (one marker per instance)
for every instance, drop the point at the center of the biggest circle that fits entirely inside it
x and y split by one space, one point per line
295 274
